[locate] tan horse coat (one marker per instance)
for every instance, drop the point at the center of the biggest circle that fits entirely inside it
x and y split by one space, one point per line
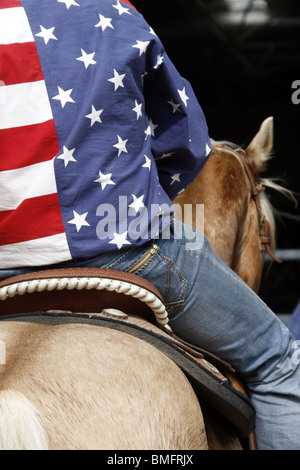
94 388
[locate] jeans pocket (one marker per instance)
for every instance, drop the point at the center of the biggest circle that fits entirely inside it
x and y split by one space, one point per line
167 278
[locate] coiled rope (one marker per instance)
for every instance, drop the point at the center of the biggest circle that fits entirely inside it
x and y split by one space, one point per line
87 283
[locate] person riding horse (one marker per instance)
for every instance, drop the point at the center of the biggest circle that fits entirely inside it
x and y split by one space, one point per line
99 133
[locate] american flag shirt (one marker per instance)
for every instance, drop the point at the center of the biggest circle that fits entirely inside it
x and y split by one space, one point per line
98 130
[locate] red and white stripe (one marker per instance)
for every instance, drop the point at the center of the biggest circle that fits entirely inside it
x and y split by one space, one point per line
128 3
30 219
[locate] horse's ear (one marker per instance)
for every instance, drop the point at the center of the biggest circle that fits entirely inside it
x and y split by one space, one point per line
259 150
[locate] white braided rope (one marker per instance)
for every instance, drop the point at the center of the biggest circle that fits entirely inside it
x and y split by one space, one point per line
122 287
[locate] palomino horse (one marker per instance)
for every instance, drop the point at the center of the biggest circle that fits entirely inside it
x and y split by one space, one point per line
78 386
239 221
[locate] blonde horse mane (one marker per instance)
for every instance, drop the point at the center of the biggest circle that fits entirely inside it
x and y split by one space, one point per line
268 210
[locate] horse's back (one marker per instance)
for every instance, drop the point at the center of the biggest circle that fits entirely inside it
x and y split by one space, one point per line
98 388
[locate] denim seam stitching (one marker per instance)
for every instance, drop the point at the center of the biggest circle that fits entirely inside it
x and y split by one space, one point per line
179 303
119 259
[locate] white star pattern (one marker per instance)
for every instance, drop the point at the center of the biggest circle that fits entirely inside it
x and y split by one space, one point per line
148 132
150 129
69 3
142 46
106 61
159 61
121 145
64 96
104 23
117 79
121 9
94 116
147 163
47 34
138 109
175 177
120 239
87 59
207 150
165 155
79 220
151 31
67 156
183 96
137 203
174 106
104 180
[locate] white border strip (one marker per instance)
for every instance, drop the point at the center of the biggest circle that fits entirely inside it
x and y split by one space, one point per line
24 183
122 287
14 26
25 104
38 252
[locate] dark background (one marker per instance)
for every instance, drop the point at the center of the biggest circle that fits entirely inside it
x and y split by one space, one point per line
241 58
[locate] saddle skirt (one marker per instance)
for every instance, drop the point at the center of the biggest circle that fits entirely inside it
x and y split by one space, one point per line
129 303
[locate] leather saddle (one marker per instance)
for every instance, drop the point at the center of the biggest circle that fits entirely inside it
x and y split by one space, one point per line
129 303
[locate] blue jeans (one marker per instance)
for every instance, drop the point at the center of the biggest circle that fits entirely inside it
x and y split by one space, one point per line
210 306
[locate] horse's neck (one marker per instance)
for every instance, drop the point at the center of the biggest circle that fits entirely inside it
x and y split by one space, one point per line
230 223
231 217
247 261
